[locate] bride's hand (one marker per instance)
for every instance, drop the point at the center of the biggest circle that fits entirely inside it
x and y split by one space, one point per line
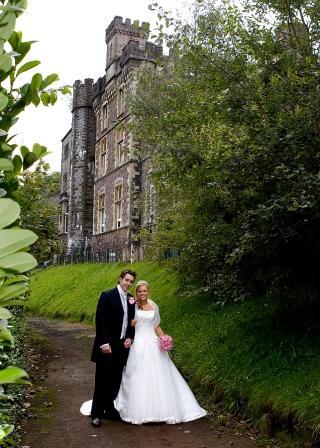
133 322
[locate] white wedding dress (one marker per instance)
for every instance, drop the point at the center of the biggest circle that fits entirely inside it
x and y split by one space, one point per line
152 389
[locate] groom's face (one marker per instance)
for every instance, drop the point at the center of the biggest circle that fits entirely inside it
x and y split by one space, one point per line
126 282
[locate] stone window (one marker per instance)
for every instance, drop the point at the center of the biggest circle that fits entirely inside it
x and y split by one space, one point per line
120 151
118 191
63 218
91 167
66 151
110 52
103 157
102 213
104 116
64 182
78 220
121 100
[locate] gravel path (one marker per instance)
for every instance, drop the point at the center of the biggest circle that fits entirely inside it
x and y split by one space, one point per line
68 381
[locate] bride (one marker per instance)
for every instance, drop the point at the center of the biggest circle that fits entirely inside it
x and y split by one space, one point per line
152 389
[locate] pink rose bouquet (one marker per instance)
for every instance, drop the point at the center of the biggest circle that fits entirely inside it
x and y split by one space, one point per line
165 343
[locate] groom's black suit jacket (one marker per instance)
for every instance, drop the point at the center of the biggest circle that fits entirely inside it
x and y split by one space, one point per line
109 319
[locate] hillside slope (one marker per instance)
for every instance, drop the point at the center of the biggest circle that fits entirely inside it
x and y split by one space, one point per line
241 353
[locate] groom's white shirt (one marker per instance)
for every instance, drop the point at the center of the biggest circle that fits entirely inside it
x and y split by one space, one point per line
123 297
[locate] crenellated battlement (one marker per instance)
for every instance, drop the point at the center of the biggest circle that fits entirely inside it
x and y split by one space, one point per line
134 29
98 86
82 93
151 52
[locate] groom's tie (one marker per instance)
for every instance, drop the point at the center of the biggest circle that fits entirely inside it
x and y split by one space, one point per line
123 297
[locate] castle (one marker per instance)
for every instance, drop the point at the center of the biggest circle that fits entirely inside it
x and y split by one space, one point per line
102 176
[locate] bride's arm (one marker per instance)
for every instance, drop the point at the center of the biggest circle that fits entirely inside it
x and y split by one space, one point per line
159 332
156 320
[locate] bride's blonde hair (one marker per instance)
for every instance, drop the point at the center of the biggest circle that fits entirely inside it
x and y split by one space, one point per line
141 283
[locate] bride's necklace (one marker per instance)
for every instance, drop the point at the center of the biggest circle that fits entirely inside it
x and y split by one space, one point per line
143 305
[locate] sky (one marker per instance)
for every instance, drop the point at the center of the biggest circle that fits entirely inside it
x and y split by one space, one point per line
70 37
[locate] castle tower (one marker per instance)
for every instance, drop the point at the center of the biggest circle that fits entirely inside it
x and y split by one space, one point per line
81 168
118 34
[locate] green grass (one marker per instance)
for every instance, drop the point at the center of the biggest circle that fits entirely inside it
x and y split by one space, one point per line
71 292
246 354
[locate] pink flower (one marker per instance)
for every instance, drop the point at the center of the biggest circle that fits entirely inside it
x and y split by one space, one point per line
165 343
132 301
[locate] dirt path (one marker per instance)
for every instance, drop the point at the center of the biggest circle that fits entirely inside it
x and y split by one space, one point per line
55 419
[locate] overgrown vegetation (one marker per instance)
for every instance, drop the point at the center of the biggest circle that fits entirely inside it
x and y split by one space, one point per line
248 360
15 96
39 212
231 121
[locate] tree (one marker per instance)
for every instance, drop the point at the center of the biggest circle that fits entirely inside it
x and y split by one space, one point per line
14 241
231 121
38 212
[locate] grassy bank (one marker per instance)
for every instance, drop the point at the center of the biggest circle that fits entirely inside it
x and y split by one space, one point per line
244 354
71 292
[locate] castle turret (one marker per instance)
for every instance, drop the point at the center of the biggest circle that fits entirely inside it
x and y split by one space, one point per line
118 34
81 168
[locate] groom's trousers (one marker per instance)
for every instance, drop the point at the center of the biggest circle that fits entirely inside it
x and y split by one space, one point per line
108 379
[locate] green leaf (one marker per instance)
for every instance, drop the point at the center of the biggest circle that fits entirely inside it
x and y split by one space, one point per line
17 163
49 80
9 292
5 430
38 150
21 6
27 66
16 279
7 24
18 262
13 375
24 151
5 335
23 49
5 147
36 99
45 98
66 90
36 81
29 160
53 97
6 165
13 240
15 40
3 101
9 212
5 63
4 313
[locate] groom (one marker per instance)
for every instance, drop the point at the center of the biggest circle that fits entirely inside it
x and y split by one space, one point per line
114 336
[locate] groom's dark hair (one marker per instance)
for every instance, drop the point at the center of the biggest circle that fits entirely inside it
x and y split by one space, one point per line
128 271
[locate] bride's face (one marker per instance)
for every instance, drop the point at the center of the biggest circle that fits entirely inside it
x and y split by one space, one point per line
142 293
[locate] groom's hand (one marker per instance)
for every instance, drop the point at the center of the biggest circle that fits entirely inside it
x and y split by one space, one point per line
127 343
106 349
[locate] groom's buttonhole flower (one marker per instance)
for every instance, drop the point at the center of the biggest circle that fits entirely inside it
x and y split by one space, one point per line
165 343
132 301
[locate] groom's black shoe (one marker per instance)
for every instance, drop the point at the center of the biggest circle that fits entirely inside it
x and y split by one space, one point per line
96 422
